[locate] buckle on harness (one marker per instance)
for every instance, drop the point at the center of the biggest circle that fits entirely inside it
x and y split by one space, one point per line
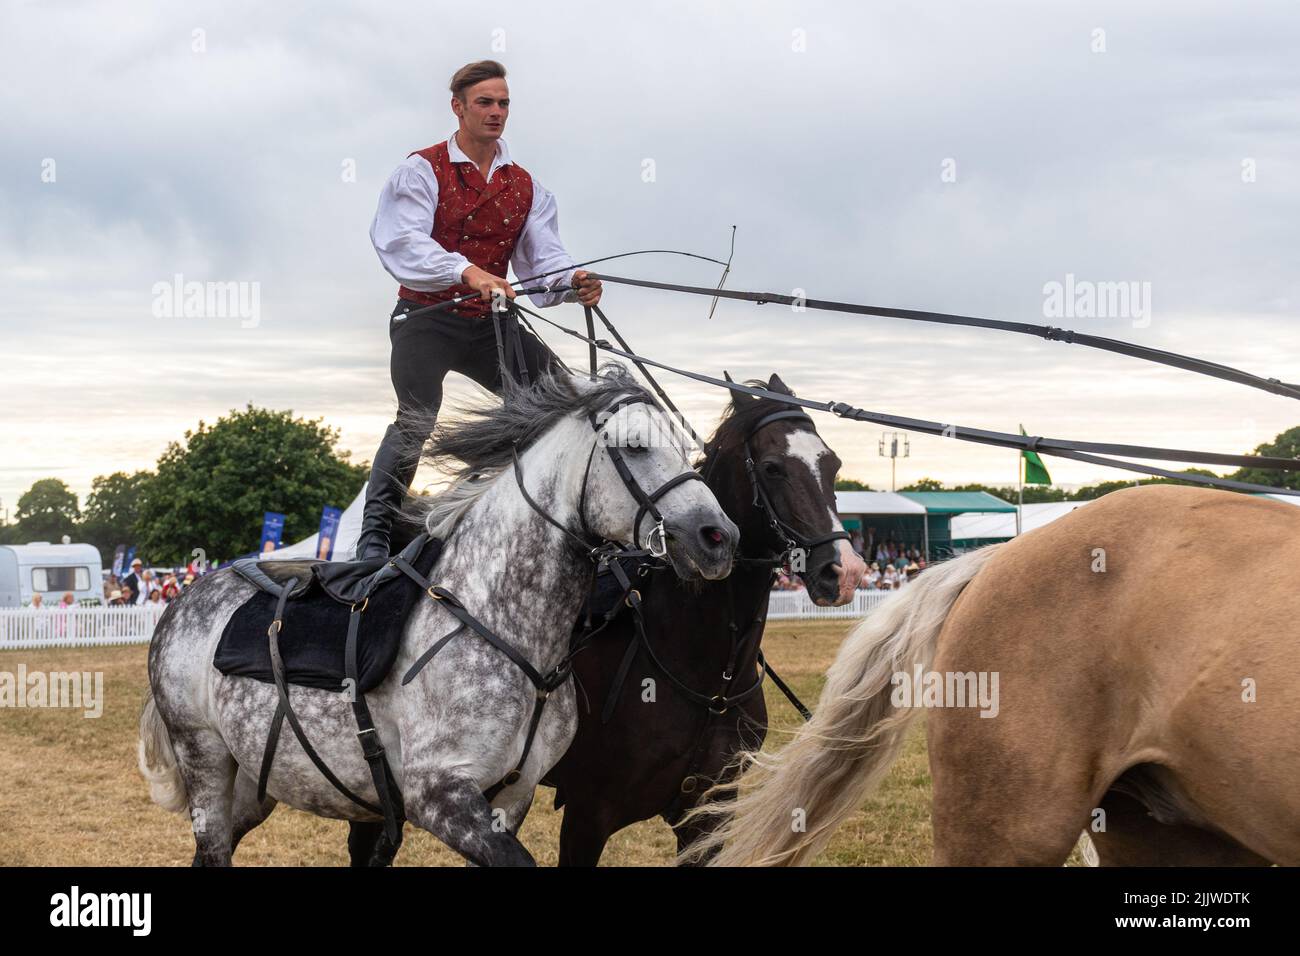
718 699
275 627
429 591
662 549
374 748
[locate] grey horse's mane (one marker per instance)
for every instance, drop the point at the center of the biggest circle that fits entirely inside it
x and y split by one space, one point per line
476 441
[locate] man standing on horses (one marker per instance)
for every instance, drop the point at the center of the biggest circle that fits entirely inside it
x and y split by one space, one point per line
450 220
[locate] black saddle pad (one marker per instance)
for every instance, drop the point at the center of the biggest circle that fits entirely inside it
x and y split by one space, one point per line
315 632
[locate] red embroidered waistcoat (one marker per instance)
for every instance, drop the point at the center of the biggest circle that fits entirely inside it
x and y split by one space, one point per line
480 220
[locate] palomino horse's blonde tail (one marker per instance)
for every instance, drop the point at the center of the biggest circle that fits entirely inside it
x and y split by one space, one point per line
791 801
158 761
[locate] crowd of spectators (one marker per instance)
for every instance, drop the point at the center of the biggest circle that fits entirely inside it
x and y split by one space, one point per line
890 564
141 585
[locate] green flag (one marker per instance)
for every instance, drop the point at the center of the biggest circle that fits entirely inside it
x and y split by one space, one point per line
1035 470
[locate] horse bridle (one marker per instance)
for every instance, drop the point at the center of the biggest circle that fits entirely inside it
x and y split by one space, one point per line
792 539
721 702
656 545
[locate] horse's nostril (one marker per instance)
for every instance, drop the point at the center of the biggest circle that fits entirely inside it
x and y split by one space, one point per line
713 536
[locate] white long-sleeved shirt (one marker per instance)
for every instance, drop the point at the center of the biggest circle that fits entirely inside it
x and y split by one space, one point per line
403 224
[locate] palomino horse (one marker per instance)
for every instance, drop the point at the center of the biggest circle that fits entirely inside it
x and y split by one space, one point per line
1148 686
517 555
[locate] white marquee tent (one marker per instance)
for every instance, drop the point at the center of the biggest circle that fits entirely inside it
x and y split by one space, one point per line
976 526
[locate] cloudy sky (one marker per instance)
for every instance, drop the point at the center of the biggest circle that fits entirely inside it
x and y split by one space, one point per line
947 156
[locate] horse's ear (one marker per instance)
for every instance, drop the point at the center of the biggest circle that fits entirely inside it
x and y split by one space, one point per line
738 399
774 384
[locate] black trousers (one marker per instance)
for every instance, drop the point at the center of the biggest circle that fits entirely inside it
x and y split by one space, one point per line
424 350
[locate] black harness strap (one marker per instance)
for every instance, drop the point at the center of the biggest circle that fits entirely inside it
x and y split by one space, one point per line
790 695
514 345
646 501
286 709
505 326
390 795
718 703
691 779
591 345
543 685
268 751
428 655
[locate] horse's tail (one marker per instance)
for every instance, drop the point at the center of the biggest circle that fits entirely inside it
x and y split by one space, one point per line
158 761
788 803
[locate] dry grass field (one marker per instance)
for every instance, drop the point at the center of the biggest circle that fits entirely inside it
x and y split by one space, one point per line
72 795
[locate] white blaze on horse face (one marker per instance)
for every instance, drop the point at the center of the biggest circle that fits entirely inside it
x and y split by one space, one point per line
809 448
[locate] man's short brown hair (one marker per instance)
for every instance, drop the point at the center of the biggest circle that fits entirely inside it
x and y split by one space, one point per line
472 73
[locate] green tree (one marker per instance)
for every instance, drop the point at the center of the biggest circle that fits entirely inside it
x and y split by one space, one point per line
925 484
1039 494
1285 445
851 484
112 510
1089 492
47 511
211 491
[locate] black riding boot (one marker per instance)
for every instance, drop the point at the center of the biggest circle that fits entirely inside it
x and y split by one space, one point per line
390 477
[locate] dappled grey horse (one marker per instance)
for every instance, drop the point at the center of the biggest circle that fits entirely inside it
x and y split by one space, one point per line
535 487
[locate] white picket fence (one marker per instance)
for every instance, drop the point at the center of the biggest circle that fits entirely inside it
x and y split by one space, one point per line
796 605
23 627
90 626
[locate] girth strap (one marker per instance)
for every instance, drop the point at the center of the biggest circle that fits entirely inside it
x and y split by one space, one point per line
285 712
390 795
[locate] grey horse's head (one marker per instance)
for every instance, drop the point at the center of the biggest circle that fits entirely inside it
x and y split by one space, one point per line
568 430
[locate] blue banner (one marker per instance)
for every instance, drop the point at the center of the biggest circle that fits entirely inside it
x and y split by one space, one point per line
126 561
119 560
329 529
272 528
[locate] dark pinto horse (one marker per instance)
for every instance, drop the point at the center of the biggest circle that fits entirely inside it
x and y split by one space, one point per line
671 706
700 645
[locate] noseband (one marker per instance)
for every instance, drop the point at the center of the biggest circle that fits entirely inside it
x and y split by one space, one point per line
792 538
656 544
